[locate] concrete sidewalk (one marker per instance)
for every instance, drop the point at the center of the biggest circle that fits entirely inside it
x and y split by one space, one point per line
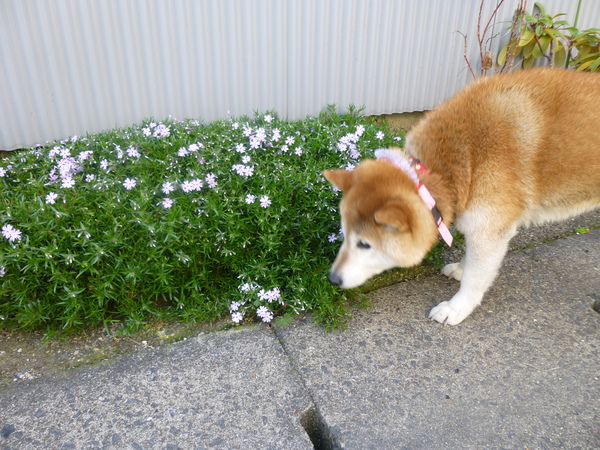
522 372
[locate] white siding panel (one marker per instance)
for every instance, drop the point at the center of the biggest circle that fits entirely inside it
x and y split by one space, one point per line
82 66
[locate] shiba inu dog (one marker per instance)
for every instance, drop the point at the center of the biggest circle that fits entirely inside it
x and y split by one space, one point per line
508 151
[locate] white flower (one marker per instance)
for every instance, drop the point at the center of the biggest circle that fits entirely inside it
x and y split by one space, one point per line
161 130
360 130
85 155
258 139
250 198
68 183
234 306
211 180
190 186
298 151
2 171
264 313
270 296
237 317
167 203
380 135
276 135
168 187
268 118
51 198
246 287
129 183
240 148
132 152
290 140
90 177
11 233
182 151
245 171
265 201
197 184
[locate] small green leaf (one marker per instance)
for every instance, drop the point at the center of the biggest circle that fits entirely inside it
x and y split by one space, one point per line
529 48
539 6
526 37
502 55
558 46
539 30
528 63
560 57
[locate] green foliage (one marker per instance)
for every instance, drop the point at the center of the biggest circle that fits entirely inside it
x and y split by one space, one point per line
587 44
551 38
178 221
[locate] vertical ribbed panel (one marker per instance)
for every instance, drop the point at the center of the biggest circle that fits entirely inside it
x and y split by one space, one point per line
72 66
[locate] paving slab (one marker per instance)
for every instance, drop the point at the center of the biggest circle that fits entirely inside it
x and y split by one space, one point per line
224 390
523 371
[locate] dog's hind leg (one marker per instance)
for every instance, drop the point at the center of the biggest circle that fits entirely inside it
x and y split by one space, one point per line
477 271
454 270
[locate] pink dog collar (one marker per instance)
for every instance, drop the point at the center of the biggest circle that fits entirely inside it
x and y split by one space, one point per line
430 202
411 166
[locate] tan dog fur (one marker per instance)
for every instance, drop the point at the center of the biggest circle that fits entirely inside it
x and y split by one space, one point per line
505 152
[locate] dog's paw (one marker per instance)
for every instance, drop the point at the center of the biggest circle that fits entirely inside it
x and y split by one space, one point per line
447 314
453 271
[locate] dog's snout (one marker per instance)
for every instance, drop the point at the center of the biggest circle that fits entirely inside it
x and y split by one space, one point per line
334 278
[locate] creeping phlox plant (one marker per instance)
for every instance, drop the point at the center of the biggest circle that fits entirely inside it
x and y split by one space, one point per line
177 220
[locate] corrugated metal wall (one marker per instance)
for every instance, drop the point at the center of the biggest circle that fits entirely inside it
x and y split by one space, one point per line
76 66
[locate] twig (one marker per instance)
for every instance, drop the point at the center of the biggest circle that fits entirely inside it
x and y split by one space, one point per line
465 54
486 30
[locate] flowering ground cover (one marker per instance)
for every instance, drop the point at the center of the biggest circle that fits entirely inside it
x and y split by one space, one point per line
178 220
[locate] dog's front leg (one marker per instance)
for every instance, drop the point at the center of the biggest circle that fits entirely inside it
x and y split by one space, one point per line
476 273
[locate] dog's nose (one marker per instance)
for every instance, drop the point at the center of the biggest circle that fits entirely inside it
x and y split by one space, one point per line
334 278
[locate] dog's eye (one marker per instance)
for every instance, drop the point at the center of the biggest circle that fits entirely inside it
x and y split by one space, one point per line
363 245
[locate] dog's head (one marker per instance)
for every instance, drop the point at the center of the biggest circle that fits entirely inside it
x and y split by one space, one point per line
384 221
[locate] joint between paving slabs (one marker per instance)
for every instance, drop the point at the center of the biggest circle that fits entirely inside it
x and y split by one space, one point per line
318 430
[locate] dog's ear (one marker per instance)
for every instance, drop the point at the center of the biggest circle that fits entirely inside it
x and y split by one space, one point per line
344 179
394 214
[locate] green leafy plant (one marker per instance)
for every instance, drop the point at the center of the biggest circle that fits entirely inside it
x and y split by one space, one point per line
535 36
178 220
587 46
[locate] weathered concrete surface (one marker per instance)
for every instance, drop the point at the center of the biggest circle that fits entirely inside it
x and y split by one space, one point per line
224 390
522 371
